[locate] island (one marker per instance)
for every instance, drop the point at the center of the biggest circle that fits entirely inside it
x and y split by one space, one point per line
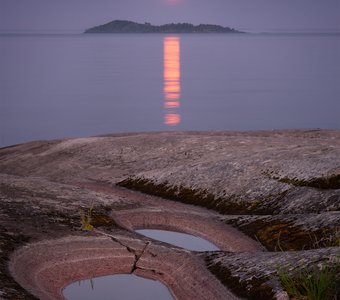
122 26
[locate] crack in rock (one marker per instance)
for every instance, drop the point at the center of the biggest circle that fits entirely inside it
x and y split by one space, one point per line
137 256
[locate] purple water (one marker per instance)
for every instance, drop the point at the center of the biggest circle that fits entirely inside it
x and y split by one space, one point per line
179 239
55 86
118 287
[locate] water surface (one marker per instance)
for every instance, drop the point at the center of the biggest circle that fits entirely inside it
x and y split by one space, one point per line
118 287
179 239
69 85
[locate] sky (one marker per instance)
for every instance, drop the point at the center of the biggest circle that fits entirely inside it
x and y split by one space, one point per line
251 15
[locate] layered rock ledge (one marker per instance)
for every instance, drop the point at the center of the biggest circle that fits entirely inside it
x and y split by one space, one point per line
265 198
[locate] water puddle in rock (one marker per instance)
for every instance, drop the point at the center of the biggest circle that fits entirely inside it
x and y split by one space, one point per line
118 287
179 239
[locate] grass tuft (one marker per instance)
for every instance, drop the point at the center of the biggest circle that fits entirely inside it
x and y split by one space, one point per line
86 219
320 282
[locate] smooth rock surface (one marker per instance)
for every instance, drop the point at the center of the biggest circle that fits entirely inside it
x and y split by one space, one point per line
260 187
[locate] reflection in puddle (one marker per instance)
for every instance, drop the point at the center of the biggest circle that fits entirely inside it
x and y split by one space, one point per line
172 85
179 239
118 287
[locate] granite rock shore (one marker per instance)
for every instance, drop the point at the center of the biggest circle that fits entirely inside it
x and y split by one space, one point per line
266 198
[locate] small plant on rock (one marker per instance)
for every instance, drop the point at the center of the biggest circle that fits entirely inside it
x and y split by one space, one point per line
86 219
319 282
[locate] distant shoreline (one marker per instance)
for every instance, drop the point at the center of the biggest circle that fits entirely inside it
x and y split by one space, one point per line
5 33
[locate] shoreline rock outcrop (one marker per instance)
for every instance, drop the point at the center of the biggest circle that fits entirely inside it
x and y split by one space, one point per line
279 190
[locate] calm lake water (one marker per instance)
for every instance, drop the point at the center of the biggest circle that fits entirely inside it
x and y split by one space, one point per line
55 86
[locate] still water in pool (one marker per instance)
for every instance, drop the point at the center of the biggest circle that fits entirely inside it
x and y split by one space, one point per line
117 287
179 239
131 287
